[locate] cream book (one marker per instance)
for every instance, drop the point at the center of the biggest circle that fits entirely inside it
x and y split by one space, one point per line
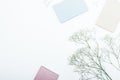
110 15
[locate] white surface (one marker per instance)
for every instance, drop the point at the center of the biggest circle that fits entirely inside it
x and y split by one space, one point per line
31 36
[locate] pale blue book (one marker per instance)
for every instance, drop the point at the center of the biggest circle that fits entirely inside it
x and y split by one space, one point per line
69 9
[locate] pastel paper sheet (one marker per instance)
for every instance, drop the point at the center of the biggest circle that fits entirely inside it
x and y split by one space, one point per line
68 9
110 15
45 74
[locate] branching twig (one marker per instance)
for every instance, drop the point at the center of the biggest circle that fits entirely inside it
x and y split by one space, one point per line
89 60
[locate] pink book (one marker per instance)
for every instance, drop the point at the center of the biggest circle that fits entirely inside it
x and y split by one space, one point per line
45 74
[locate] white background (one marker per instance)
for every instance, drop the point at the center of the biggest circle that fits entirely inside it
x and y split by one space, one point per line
32 36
